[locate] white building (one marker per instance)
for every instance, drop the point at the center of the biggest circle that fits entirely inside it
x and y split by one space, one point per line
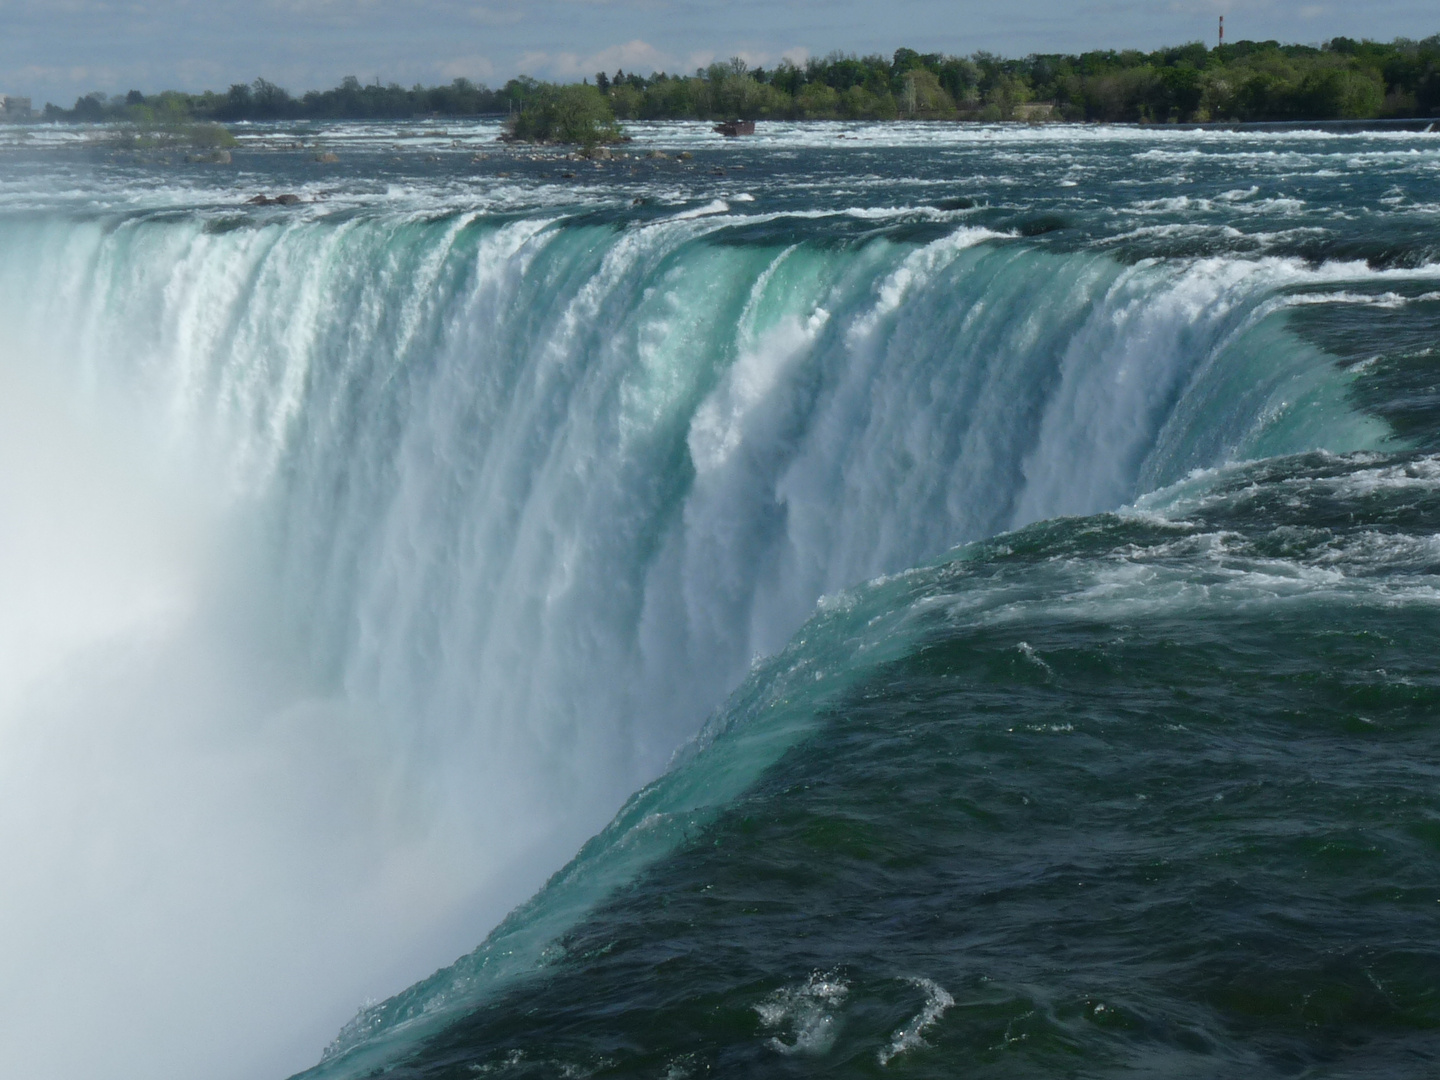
14 108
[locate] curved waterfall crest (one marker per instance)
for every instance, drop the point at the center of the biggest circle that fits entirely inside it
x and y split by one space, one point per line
514 503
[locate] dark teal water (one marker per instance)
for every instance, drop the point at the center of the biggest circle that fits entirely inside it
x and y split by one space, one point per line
993 572
1168 808
1149 793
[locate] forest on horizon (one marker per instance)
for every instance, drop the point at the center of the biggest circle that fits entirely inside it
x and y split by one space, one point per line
1243 81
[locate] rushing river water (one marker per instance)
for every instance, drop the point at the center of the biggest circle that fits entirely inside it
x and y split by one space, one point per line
992 572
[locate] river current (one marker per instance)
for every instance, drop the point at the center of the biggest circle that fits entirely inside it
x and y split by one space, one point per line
968 594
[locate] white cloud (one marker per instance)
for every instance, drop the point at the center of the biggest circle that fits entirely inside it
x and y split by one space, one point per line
491 15
699 60
309 7
633 55
92 77
467 67
636 55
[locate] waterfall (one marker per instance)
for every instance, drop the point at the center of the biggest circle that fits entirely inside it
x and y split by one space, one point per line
358 567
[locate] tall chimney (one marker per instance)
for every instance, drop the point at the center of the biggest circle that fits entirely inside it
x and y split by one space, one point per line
1222 29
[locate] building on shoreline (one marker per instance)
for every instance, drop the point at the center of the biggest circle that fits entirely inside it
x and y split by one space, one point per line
14 108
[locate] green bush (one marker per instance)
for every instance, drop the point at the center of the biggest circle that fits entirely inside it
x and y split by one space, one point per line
567 114
208 136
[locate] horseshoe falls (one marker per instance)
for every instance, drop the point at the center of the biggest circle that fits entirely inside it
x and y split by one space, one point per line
903 598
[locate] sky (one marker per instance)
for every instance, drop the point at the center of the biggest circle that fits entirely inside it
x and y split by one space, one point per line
56 50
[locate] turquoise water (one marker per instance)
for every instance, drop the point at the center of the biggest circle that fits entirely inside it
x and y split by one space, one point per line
1150 792
891 522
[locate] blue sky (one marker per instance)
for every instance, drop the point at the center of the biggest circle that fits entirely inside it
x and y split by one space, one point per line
57 49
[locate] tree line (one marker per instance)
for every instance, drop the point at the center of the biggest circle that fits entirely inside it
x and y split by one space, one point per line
1243 81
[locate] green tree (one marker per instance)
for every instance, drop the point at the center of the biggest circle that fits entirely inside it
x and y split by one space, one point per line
1339 94
923 96
577 113
818 101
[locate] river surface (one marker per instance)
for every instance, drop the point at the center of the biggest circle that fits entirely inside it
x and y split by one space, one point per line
970 596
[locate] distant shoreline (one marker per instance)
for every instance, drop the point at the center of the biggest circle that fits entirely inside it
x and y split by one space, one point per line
1417 125
1343 81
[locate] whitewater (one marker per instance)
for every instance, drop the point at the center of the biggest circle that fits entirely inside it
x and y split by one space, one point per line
363 560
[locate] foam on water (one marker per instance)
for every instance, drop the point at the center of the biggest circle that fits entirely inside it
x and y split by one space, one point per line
1286 543
806 1013
405 536
911 1036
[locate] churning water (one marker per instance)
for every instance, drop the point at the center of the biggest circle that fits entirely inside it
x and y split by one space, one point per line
992 572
